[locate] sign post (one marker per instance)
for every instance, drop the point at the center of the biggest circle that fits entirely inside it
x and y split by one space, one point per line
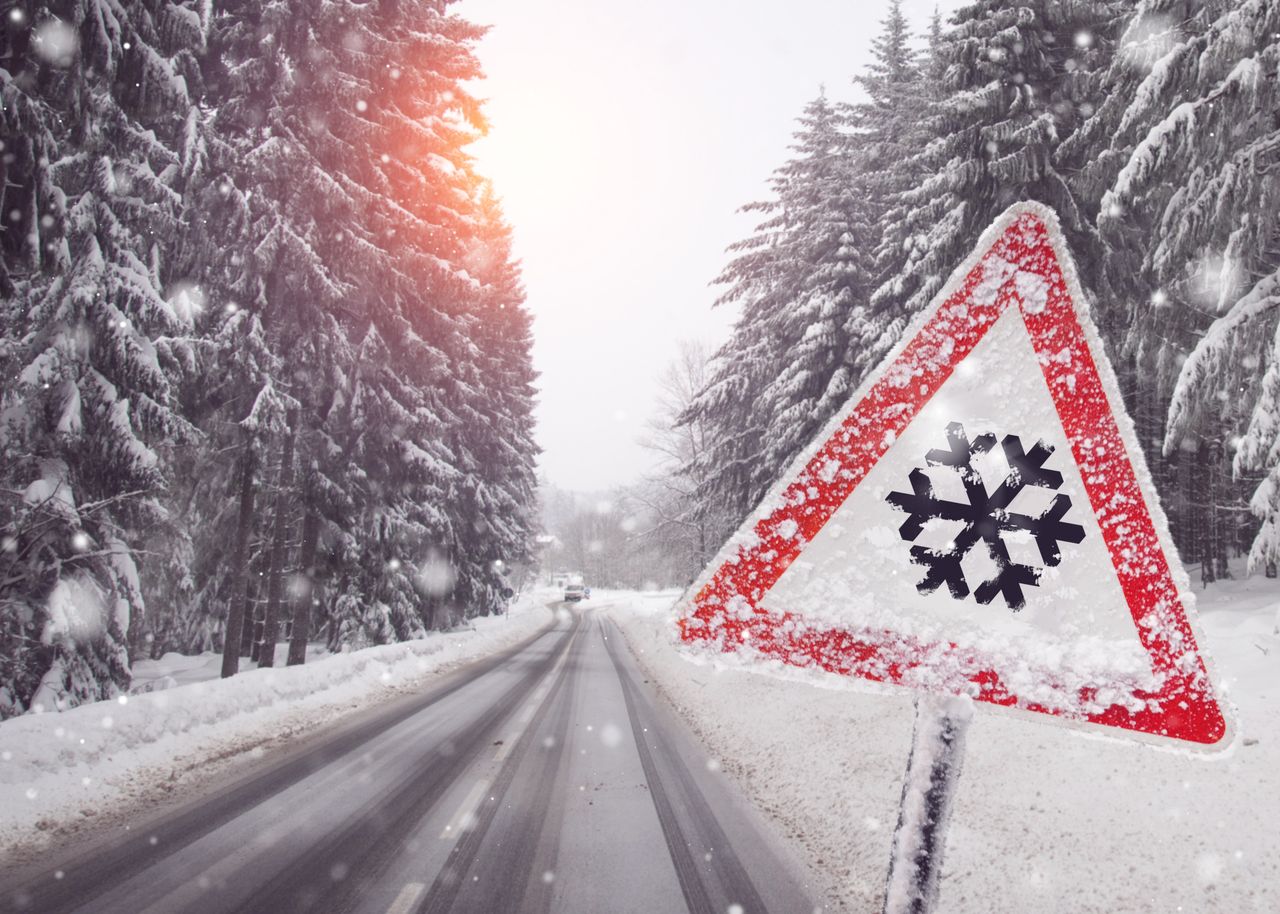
928 791
976 524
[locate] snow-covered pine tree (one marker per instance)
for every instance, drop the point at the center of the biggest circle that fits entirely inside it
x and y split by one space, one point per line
1017 79
92 105
888 127
725 470
904 89
434 311
403 515
1094 155
352 122
500 495
798 279
1191 217
822 241
228 390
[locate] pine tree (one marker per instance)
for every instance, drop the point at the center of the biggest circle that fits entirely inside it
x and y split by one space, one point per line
888 129
94 102
726 469
905 91
1017 80
798 279
499 496
1141 71
823 238
1190 219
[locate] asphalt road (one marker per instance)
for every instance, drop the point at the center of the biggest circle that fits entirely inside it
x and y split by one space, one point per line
549 778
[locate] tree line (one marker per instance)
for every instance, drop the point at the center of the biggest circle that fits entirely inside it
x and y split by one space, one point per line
265 356
1151 128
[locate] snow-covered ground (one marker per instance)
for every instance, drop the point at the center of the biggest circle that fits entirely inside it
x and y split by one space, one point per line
175 669
61 770
1047 819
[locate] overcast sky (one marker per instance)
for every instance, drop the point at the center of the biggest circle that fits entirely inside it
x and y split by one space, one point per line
624 138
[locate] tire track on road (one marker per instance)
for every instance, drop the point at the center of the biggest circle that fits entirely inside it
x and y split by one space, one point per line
382 833
729 882
451 880
351 849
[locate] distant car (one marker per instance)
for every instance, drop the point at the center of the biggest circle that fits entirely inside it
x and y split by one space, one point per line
575 592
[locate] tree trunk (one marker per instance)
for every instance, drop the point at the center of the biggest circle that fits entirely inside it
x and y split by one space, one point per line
304 594
275 581
1220 505
252 629
1209 495
239 568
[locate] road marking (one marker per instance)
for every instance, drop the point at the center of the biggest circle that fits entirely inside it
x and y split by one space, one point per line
465 817
408 896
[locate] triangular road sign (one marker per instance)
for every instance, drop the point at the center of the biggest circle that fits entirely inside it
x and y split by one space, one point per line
978 519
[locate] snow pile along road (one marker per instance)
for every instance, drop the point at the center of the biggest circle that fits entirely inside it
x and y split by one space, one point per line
61 769
1047 818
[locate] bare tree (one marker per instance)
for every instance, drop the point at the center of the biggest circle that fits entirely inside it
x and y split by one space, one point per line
673 524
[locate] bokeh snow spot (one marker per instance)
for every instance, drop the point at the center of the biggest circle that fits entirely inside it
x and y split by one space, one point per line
55 42
1209 868
76 609
436 576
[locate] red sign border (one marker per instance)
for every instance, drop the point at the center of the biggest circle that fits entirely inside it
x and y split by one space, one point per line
1083 389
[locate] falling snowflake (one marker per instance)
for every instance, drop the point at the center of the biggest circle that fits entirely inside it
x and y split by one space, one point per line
986 517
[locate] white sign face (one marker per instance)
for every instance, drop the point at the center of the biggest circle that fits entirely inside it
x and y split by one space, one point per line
858 572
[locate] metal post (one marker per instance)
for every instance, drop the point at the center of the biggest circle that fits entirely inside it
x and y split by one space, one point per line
928 791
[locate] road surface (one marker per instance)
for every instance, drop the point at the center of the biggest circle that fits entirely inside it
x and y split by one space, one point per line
549 778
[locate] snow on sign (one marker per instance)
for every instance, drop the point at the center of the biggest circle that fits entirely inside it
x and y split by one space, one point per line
977 520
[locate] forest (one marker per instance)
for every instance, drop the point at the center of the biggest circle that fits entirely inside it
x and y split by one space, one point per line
267 359
265 353
1151 128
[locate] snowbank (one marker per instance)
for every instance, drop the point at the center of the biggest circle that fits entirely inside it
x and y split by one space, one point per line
175 669
56 769
1047 819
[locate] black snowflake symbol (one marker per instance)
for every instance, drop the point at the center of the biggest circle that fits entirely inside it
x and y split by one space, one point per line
986 517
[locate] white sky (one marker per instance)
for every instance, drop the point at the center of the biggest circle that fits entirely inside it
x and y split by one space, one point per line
624 138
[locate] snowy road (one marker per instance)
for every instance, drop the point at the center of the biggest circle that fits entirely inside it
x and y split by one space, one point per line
547 778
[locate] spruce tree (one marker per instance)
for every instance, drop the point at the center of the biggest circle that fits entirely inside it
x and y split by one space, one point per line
798 279
1017 79
93 106
824 238
499 495
1188 210
904 91
901 86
